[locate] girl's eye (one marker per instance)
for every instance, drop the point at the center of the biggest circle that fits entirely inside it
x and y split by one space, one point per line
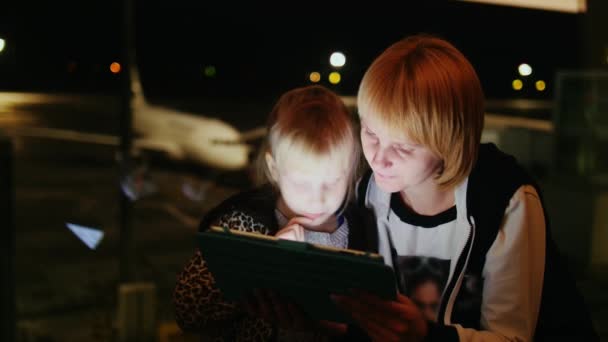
298 184
403 150
332 183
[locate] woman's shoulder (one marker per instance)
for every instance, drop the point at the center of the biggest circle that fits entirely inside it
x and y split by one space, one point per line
496 174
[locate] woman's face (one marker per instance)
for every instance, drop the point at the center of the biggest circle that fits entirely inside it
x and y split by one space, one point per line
398 164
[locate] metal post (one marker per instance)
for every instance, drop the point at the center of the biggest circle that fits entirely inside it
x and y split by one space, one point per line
7 242
127 258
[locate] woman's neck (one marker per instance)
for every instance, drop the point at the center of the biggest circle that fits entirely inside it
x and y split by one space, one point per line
428 199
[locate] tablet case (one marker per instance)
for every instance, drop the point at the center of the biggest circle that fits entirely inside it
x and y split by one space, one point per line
302 272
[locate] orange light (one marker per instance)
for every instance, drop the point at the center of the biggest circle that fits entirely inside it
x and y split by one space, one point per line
314 77
72 67
115 67
540 85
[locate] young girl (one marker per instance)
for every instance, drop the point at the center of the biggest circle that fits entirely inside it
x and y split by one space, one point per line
441 198
308 163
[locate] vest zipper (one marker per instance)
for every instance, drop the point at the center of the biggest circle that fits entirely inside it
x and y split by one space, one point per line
455 281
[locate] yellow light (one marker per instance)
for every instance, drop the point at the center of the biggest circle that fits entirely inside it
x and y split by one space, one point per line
314 77
2 44
540 85
334 77
115 67
517 84
525 69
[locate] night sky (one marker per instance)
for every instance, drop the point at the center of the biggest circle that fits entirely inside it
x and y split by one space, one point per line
68 47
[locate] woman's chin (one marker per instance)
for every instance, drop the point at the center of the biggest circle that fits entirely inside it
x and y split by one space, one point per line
389 187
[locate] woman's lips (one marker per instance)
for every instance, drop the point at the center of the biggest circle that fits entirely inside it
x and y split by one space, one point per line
382 176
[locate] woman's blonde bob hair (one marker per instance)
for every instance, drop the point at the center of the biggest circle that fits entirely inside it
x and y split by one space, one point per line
313 124
423 87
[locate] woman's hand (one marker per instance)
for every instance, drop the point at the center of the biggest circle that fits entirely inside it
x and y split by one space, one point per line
383 320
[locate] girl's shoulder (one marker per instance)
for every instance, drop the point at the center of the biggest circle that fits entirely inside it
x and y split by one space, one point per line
255 206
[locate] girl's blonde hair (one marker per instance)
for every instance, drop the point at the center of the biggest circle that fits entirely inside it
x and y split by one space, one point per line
313 123
424 87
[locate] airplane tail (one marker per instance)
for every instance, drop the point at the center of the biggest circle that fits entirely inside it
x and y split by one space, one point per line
138 98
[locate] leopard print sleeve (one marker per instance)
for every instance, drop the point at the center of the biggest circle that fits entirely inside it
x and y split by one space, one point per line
199 305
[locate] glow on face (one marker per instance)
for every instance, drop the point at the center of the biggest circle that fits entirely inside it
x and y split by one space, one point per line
398 163
312 187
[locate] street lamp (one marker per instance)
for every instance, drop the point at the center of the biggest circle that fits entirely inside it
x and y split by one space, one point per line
337 59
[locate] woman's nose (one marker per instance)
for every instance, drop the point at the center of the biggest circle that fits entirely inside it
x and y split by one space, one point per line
381 158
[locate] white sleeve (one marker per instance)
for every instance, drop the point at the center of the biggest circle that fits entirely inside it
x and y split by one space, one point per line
513 273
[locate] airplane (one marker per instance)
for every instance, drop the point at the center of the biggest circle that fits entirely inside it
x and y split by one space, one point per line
184 136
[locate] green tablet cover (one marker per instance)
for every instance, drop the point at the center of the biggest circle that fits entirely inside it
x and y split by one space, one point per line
302 272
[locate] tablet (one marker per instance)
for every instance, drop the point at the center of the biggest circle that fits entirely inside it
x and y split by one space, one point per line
305 273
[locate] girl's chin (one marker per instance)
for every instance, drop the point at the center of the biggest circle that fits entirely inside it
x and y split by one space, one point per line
321 224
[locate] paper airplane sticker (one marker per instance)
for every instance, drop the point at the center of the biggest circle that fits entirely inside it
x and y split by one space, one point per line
90 236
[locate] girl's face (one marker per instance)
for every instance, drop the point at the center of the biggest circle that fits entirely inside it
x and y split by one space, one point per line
398 164
313 188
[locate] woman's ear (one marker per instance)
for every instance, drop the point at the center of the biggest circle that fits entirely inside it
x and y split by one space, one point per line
272 166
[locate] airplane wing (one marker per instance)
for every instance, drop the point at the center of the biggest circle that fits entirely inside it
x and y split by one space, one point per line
171 148
65 135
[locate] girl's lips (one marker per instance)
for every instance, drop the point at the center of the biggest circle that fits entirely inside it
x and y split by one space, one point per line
312 216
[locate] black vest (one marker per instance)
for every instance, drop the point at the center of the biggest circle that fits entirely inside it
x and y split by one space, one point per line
492 182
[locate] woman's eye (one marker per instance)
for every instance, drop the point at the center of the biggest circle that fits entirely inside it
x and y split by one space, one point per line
369 133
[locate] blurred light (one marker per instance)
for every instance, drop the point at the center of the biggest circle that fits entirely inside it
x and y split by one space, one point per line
525 69
517 84
115 67
337 59
72 67
210 71
540 85
334 77
2 44
314 77
568 6
89 236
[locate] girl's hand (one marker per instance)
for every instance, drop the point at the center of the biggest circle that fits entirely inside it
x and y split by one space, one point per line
294 230
383 320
